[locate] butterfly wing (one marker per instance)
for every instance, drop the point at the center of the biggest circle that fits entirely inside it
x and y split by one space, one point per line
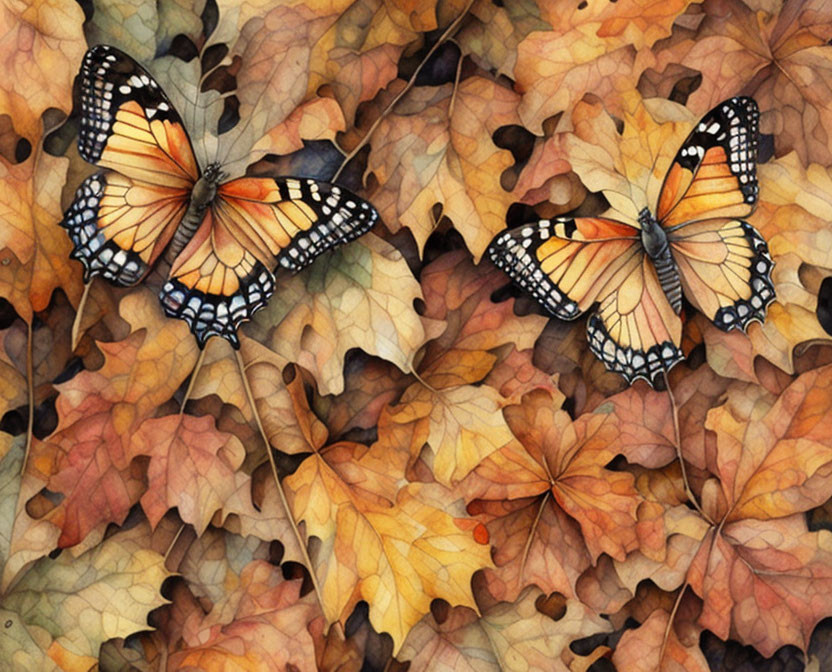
714 173
569 264
224 274
124 216
635 331
725 268
724 263
565 262
119 226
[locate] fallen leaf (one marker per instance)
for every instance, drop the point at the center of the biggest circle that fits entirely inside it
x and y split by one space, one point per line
395 547
436 147
552 486
359 296
598 48
266 628
76 604
527 639
777 54
40 50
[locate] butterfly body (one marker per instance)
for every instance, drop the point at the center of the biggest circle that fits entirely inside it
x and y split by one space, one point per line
224 239
657 248
632 277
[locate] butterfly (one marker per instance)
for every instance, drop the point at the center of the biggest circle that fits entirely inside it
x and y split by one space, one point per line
224 239
696 243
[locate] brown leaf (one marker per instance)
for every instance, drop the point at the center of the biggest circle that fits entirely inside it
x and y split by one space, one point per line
264 626
777 54
436 148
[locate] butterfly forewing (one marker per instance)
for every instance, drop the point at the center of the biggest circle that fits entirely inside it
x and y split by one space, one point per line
564 263
723 262
714 173
224 274
129 125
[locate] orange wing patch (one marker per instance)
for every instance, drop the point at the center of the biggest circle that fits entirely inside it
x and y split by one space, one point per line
714 173
120 227
564 263
635 331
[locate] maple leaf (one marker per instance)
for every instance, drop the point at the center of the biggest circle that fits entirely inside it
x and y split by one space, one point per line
88 456
526 638
600 48
70 606
459 422
33 249
550 505
359 296
39 50
458 293
507 636
191 467
265 628
395 547
660 643
777 54
755 564
438 149
492 39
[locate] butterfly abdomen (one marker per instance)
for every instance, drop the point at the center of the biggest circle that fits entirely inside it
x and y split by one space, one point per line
657 248
202 195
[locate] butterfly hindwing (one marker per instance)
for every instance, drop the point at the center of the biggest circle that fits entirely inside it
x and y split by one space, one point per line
725 268
714 173
634 330
225 273
564 263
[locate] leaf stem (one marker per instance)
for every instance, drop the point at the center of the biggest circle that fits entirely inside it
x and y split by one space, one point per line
283 501
194 375
532 532
79 314
678 445
387 110
30 390
173 543
670 621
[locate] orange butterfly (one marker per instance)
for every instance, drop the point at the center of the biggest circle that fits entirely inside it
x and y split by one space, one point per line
696 241
224 239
